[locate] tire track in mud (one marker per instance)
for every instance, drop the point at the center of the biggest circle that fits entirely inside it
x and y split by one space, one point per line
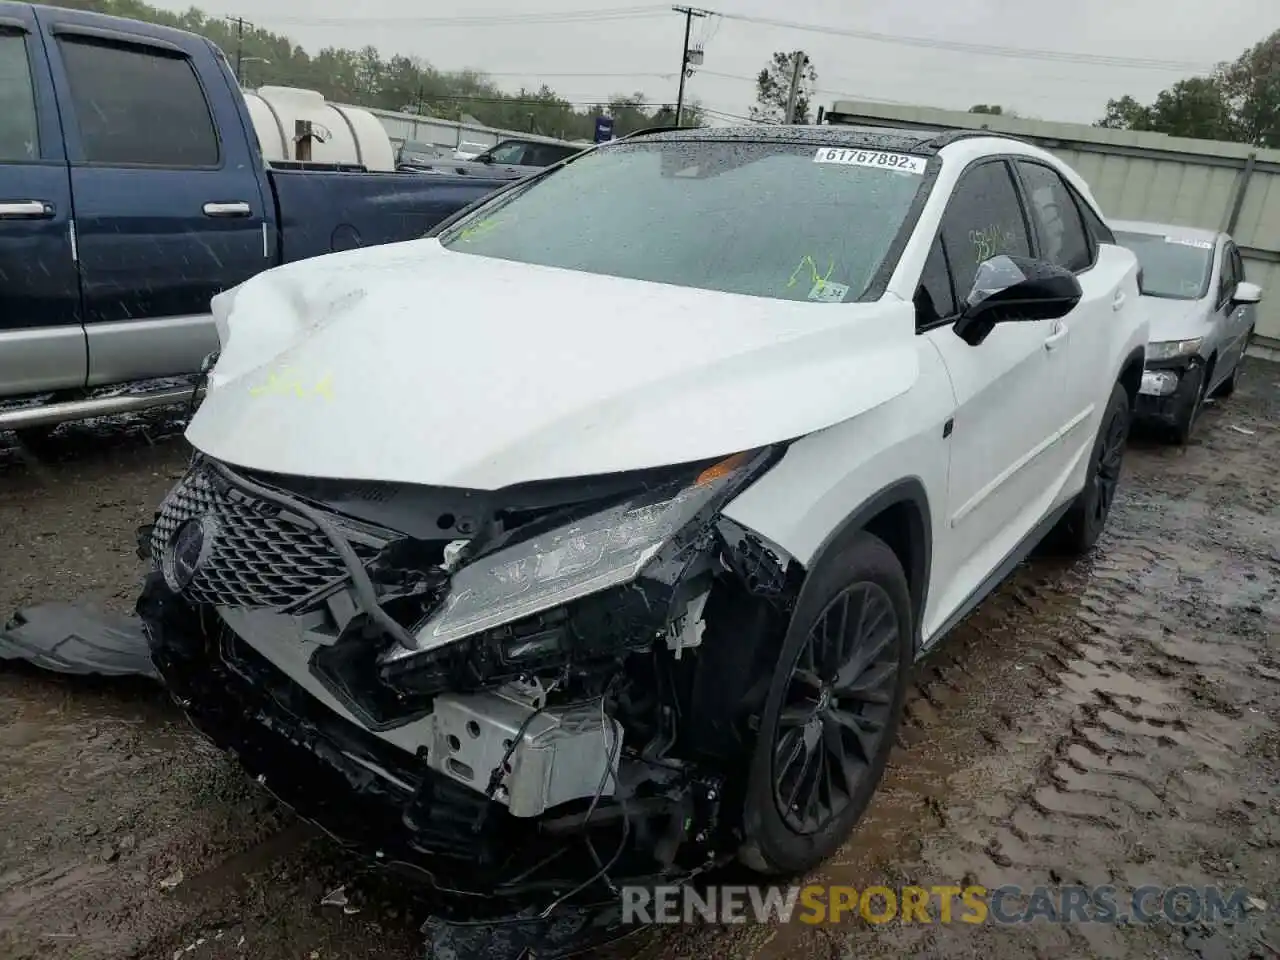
1110 722
1104 722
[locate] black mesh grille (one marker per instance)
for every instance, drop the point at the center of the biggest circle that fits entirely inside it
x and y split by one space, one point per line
261 556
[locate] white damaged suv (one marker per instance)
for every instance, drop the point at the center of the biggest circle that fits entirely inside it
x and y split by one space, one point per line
622 576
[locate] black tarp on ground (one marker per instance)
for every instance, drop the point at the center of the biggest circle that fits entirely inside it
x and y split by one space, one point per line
64 638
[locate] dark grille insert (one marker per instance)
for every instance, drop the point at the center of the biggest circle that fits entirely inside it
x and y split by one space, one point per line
261 557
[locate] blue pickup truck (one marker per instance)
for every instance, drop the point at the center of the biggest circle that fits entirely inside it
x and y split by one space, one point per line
133 189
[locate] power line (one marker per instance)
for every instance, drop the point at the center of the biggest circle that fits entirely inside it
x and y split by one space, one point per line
992 50
542 73
557 102
598 15
483 20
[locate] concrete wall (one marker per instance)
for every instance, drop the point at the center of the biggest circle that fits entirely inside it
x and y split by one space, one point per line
1148 176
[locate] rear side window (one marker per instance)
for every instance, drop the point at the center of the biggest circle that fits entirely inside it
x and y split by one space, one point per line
1093 223
544 155
1062 235
1228 277
19 140
135 105
984 219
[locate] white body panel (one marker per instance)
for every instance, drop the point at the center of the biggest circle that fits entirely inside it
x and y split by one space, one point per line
1027 405
376 378
539 383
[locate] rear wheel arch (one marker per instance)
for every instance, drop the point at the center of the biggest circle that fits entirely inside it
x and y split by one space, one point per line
899 515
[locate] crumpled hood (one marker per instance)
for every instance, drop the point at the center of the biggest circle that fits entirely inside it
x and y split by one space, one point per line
1175 319
412 363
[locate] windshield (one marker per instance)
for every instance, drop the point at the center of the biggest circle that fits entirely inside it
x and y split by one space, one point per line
1173 268
785 221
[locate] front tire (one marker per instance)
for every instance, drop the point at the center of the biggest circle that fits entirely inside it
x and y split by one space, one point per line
1186 423
832 711
1082 524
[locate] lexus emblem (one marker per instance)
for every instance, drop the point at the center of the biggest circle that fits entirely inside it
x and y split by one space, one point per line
188 548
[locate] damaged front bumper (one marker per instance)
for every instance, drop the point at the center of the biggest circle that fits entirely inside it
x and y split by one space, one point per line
382 802
1169 390
516 790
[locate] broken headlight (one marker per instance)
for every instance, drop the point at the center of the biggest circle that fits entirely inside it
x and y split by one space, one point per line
604 550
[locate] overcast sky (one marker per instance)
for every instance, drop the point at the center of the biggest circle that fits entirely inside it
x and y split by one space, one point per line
640 49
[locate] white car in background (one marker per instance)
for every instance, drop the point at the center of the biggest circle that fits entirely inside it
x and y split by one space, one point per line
624 576
1202 312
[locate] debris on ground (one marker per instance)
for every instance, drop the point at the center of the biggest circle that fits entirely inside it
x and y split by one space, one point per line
171 881
66 638
1139 744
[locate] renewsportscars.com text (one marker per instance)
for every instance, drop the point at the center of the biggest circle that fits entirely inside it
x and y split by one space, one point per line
819 904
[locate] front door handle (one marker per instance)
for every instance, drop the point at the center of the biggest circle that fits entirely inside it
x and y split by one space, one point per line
1060 331
1118 301
25 210
237 208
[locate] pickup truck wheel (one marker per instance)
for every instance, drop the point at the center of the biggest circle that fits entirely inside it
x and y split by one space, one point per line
832 711
1082 524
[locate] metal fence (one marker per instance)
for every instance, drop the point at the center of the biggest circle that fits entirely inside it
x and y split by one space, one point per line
1148 176
445 134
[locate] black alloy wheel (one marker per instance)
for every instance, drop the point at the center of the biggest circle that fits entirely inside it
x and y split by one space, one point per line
834 702
1110 460
1082 524
836 710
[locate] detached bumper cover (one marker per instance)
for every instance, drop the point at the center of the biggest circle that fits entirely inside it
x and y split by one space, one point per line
1169 390
370 796
482 864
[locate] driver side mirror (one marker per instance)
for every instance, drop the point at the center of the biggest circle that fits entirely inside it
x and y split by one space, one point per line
1009 289
1246 293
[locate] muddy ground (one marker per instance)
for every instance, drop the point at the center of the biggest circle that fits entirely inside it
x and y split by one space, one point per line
1113 721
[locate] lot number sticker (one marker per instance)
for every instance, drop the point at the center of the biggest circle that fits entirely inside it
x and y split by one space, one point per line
1187 242
871 158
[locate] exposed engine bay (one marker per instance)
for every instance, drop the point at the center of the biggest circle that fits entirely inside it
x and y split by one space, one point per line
523 698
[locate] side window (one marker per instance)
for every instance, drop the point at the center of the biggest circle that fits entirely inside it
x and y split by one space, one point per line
1237 263
935 297
983 219
1062 237
512 153
1093 223
19 140
1227 278
138 106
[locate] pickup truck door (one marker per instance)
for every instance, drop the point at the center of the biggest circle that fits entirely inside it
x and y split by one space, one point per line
168 190
42 346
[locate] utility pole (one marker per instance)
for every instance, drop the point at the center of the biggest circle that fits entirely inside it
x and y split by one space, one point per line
240 23
794 92
689 14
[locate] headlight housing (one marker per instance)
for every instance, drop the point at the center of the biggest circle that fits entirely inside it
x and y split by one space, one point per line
606 549
1172 349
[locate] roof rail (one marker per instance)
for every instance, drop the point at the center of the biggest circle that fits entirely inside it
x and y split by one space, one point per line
666 128
951 136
